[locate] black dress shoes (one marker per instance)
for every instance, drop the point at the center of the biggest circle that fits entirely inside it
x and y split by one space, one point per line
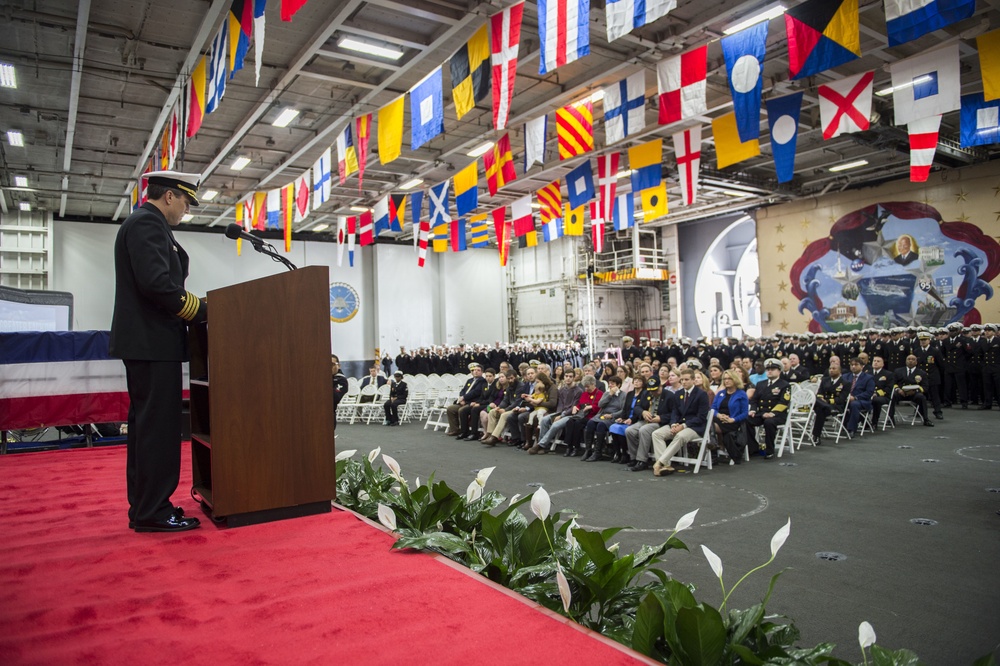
174 523
928 424
178 511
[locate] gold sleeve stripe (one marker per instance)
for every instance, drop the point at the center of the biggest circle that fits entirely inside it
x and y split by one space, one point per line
191 306
779 408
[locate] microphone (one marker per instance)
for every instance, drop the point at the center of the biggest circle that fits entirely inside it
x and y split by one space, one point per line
235 231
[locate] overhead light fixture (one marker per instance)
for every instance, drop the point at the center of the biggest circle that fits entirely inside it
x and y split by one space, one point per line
15 138
20 181
476 152
25 206
903 86
359 209
735 193
321 227
766 15
352 44
849 165
410 184
8 78
624 173
187 217
536 205
597 95
285 117
209 195
240 163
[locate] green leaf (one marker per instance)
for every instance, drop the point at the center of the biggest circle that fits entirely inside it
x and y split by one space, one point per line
440 540
741 622
746 655
493 531
533 545
592 544
648 625
884 657
985 660
702 635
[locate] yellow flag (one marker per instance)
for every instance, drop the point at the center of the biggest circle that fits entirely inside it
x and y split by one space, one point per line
989 63
728 148
440 240
572 221
239 221
654 203
390 130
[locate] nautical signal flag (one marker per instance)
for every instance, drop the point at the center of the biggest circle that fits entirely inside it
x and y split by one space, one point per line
845 106
596 229
980 121
529 239
397 212
347 155
341 238
289 7
439 205
470 72
196 97
687 148
302 196
520 212
580 185
352 236
288 213
505 35
552 230
644 161
573 221
440 236
783 118
821 34
927 84
390 130
502 228
240 23
729 149
923 145
623 214
654 202
988 46
563 32
535 132
416 204
906 20
426 110
365 235
458 236
321 179
422 237
744 54
467 189
550 202
258 39
260 210
499 163
575 129
625 107
363 125
681 85
274 209
624 16
607 183
217 70
479 231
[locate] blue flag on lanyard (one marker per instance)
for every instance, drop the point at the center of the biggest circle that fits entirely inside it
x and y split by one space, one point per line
426 110
744 54
580 185
783 118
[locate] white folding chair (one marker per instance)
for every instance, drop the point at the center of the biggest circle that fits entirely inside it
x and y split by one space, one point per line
835 426
368 391
800 417
348 406
704 456
437 415
374 408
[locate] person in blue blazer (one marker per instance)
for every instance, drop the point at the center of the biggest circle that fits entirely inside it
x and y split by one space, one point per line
860 399
732 408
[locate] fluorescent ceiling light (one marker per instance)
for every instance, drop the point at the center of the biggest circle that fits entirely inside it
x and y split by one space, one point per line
849 165
321 227
410 184
903 86
24 205
15 138
597 95
352 44
20 181
536 205
359 209
187 218
476 152
735 193
765 15
285 117
209 195
8 78
624 174
240 163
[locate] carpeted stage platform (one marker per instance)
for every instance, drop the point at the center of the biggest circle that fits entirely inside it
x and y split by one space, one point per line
78 587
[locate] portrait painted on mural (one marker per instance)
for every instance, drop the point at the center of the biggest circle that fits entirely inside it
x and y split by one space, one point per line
895 264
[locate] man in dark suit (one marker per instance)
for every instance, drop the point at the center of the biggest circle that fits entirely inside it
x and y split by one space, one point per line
470 393
397 396
904 248
884 383
911 383
373 379
769 405
830 399
860 399
796 371
149 333
687 422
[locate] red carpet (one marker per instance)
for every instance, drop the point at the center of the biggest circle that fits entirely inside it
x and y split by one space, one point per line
78 587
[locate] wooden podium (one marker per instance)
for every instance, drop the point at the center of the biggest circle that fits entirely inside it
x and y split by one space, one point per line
262 400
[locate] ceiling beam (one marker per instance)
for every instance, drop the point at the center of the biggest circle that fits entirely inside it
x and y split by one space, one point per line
79 45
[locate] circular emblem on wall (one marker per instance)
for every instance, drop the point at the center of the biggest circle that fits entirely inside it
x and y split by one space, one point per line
344 302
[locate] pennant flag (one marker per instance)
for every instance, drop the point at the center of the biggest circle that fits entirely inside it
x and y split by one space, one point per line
458 236
534 141
176 135
365 235
624 211
654 203
520 212
989 63
352 234
644 160
397 212
573 218
288 213
575 129
347 156
744 53
607 183
552 229
217 70
502 228
499 165
479 231
927 84
687 148
783 119
289 7
550 202
302 190
164 147
845 106
467 189
470 72
906 20
728 148
134 200
624 16
196 97
258 38
416 205
505 35
381 214
241 217
681 84
596 229
260 205
425 230
274 209
625 107
439 207
321 180
390 130
821 34
439 238
563 32
980 121
426 110
240 31
529 239
341 238
363 124
580 185
923 145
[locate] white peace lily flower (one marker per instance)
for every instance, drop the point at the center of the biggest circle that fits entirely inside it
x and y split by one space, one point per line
778 540
387 516
570 539
363 496
564 591
516 497
866 634
344 455
686 521
417 484
613 548
483 475
392 465
540 503
714 561
473 492
372 455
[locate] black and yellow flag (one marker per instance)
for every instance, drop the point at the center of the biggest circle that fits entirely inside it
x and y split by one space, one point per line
470 72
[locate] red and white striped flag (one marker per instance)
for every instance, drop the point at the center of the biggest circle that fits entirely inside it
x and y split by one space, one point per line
687 147
365 230
352 227
607 170
596 228
341 238
505 35
923 145
425 230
